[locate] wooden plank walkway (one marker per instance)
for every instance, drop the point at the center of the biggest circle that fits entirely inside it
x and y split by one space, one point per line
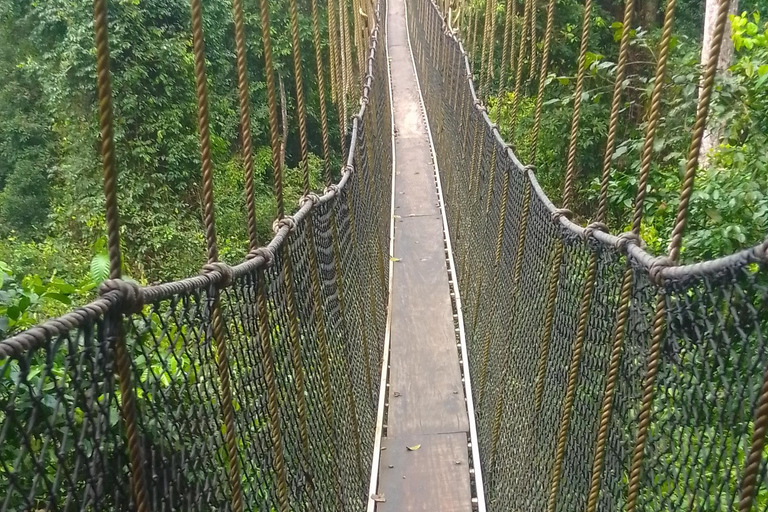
426 395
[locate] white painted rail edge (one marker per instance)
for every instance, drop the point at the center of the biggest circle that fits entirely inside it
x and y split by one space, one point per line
372 487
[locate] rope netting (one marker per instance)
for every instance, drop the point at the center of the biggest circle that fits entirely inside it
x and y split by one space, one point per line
604 378
248 387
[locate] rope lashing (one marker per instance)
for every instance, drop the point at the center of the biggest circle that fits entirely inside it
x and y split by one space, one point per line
266 253
590 229
131 298
225 272
627 238
559 213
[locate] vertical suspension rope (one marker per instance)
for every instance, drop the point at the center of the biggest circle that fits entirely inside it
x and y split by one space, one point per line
321 93
570 169
542 81
293 319
273 407
534 56
487 43
491 50
245 122
222 358
606 407
654 354
653 115
519 70
573 369
114 321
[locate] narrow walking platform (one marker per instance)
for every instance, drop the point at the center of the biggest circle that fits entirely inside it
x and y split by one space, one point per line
427 410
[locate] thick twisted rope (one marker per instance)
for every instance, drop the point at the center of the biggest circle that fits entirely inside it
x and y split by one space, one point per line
570 166
606 407
542 81
534 57
114 331
519 71
699 125
316 42
274 133
653 115
222 359
245 122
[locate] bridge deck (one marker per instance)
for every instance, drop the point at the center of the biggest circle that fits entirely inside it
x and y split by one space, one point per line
426 396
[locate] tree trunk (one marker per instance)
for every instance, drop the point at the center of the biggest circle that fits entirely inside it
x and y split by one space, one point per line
648 13
714 130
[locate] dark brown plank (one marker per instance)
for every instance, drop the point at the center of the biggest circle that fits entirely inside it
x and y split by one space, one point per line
433 478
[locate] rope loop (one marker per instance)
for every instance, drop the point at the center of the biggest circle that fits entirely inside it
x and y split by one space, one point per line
348 168
286 221
589 231
311 197
495 127
223 269
130 294
531 168
627 238
557 213
659 264
264 252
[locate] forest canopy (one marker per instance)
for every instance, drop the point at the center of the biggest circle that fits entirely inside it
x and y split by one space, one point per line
52 238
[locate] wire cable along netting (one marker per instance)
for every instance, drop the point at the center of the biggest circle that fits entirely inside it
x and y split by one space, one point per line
247 387
603 378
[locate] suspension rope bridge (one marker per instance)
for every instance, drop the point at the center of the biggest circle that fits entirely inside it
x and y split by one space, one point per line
429 332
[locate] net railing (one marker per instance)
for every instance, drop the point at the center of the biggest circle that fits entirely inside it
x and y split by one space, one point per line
602 419
304 383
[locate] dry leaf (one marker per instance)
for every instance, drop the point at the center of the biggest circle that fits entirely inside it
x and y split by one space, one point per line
392 258
378 498
413 448
396 393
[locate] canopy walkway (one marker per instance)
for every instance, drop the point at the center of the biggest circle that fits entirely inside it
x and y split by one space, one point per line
429 332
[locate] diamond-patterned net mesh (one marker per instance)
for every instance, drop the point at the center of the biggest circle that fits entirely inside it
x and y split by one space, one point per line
304 338
539 381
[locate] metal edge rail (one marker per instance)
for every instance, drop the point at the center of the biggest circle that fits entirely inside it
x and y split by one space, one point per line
383 386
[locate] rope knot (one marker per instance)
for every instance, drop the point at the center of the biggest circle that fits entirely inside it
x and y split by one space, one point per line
331 190
626 238
364 100
223 269
557 213
265 253
311 197
589 231
495 127
348 168
286 221
130 294
531 168
659 264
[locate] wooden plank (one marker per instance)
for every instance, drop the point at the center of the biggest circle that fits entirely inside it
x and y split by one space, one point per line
426 393
433 478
